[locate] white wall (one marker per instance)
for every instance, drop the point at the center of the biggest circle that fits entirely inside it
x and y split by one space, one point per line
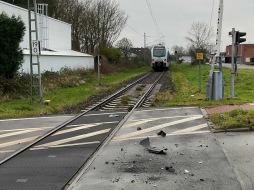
55 63
59 32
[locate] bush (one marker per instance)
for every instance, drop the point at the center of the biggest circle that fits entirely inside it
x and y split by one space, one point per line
12 31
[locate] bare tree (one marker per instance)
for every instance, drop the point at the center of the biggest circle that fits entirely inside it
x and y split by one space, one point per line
95 23
125 45
199 36
180 50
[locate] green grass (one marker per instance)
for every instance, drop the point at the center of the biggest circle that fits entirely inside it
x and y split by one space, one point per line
186 81
234 119
65 97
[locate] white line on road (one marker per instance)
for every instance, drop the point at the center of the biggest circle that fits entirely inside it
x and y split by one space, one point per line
156 136
9 130
115 113
165 109
6 151
18 142
33 118
62 141
66 145
191 129
136 133
142 121
19 132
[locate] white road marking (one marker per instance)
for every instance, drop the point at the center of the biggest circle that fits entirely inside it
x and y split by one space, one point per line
156 136
18 141
20 132
67 145
191 129
103 114
136 133
74 129
165 109
82 126
33 118
62 141
9 130
141 121
6 151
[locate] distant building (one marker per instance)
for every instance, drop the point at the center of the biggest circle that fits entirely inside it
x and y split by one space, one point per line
186 58
55 37
245 53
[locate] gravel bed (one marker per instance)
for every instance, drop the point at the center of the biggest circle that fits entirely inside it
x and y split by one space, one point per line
166 82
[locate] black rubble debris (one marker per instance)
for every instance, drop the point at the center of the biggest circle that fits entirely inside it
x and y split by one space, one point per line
146 143
170 169
139 128
162 133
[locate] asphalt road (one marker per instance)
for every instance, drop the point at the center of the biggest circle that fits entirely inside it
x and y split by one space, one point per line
17 133
194 158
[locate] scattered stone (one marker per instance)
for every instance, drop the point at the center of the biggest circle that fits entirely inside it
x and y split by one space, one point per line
139 128
106 162
186 171
176 145
121 149
181 153
200 162
133 181
202 180
192 174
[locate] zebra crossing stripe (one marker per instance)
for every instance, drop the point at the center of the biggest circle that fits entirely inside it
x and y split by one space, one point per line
136 133
156 136
80 127
18 142
67 140
191 129
142 121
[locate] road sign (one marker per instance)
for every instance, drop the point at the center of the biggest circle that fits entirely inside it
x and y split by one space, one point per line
199 56
35 47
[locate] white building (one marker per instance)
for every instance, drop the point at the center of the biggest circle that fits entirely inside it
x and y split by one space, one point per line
55 36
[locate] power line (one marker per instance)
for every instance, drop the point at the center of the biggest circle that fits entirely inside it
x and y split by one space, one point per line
211 14
154 18
134 30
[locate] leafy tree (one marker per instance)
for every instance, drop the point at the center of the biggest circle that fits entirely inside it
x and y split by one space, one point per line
12 30
112 54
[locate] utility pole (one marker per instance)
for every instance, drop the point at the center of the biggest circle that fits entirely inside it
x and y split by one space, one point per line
210 88
144 40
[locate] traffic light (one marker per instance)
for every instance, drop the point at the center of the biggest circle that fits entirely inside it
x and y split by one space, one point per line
238 38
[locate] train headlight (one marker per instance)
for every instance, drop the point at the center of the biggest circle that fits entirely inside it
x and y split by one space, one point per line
153 60
164 60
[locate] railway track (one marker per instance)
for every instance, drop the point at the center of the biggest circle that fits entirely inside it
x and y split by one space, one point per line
53 160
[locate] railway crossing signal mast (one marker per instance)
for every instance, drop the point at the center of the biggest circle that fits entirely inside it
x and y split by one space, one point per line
236 40
214 86
34 48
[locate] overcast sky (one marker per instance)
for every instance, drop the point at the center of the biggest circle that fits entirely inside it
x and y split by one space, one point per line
175 17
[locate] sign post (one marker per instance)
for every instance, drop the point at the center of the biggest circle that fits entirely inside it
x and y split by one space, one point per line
199 57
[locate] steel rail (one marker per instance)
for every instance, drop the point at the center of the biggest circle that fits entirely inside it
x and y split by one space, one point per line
70 184
118 93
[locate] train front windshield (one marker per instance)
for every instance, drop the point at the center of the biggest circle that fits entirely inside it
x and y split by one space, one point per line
159 52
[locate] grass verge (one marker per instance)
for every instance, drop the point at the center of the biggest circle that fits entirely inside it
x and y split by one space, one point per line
186 81
65 97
